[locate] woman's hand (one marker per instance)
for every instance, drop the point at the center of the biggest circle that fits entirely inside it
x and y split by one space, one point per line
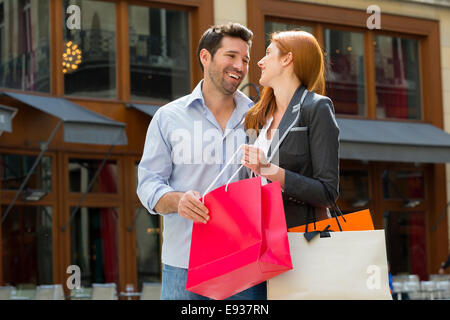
254 159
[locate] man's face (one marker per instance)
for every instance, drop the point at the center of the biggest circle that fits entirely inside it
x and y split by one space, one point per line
229 66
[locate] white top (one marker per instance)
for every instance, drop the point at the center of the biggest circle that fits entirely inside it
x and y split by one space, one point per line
263 143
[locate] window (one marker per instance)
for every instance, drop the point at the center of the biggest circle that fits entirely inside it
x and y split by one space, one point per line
159 53
403 185
148 237
94 240
345 82
82 173
27 250
24 45
14 168
397 77
354 187
369 74
406 243
271 26
89 55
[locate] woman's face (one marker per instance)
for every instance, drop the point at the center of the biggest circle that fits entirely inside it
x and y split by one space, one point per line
270 66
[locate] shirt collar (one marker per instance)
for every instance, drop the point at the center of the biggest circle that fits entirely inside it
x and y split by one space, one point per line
243 103
196 95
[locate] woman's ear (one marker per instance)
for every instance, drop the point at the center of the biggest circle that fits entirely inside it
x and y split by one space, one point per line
287 59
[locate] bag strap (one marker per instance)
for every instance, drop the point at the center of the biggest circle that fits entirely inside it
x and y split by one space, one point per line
310 216
222 171
335 209
337 212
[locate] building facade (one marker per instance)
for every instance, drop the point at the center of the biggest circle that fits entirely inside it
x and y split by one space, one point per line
80 80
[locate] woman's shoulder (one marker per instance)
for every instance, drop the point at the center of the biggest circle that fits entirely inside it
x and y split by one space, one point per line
315 102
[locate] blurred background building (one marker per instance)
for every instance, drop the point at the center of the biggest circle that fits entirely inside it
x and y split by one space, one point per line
76 100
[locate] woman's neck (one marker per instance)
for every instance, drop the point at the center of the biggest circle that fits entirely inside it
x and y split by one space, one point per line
284 90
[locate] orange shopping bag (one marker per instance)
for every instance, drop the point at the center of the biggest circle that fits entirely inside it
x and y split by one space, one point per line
356 221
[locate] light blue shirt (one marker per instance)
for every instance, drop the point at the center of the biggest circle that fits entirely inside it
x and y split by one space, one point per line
185 149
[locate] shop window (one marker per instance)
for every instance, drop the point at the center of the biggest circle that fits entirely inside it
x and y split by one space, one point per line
406 243
24 45
89 53
354 187
407 186
27 251
345 79
148 237
159 53
397 77
271 26
82 176
14 168
94 245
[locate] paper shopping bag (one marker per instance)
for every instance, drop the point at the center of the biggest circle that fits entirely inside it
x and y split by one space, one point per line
356 221
349 265
243 244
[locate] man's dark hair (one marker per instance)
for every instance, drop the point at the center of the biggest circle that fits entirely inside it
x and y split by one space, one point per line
212 38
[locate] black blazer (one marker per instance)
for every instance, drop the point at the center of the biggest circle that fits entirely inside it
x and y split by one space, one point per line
308 152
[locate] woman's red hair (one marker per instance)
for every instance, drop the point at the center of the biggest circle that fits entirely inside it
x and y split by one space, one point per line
309 67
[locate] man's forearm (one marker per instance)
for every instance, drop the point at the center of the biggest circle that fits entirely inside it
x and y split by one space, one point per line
168 203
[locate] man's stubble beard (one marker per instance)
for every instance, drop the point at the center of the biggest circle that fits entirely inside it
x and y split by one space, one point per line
217 79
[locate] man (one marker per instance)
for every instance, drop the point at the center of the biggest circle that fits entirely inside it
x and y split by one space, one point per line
188 143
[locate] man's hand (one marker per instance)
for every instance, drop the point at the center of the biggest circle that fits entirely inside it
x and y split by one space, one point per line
190 207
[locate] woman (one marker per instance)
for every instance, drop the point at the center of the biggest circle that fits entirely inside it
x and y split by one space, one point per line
308 166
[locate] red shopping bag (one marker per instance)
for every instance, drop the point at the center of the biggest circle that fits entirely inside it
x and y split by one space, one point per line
243 244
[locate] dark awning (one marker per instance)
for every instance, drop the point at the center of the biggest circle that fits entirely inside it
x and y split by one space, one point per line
145 108
80 124
6 116
393 141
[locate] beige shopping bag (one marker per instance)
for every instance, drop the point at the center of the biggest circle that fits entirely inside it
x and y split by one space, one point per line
349 265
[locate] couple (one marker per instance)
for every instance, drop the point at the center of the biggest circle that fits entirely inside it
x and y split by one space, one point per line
291 71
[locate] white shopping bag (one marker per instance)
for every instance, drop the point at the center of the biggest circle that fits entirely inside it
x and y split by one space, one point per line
349 265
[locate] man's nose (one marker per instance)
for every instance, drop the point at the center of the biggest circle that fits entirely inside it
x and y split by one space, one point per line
238 65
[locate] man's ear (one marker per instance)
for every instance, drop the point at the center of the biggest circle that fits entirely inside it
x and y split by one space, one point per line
205 57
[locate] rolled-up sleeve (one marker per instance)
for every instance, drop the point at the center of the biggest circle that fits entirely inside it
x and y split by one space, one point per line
155 166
